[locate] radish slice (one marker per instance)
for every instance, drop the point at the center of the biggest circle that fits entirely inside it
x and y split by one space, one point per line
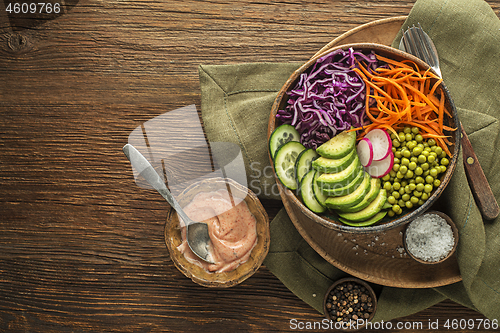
365 152
379 169
381 142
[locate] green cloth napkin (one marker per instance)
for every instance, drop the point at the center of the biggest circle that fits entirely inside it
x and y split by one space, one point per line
236 102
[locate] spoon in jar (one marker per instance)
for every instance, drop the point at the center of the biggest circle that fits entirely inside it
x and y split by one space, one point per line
196 232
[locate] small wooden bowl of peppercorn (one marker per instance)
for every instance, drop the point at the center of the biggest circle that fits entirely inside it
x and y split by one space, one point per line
350 303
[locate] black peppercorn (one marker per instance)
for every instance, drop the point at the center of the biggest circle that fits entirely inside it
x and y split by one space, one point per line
349 302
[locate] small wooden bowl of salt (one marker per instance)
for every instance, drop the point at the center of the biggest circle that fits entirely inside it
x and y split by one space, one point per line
431 238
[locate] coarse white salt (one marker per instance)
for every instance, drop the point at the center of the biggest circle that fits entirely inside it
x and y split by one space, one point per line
429 238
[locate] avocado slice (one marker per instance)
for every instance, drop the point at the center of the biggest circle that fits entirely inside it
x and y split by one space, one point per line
369 211
342 178
331 165
338 146
379 216
353 198
370 196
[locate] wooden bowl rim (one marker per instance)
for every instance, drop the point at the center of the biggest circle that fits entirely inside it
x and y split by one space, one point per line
245 270
287 194
454 229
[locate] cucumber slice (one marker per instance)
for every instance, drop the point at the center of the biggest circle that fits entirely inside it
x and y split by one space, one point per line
304 162
307 193
281 135
338 146
284 163
318 193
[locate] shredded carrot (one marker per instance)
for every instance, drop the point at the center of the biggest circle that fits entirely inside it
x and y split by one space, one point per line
403 95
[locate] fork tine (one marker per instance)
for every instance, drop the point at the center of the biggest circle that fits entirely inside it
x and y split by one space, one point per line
415 41
426 52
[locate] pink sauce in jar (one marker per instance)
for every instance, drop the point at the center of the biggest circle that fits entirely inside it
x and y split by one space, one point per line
231 226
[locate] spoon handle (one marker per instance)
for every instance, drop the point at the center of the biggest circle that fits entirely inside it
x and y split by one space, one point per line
145 169
480 187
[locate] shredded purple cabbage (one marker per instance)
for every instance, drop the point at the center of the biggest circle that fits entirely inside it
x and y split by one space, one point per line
329 98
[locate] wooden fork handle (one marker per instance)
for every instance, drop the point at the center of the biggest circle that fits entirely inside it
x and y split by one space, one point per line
478 183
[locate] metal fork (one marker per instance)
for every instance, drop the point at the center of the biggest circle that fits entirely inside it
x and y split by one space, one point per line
416 42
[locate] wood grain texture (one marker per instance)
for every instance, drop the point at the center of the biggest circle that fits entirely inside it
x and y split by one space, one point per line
81 247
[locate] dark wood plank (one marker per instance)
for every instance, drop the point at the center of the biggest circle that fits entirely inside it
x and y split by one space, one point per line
81 247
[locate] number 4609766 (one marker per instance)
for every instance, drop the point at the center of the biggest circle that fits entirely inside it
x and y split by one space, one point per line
33 7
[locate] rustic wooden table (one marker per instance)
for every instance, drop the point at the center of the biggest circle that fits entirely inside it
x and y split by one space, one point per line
82 247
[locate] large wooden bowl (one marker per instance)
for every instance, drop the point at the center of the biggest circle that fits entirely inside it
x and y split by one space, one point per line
196 273
331 221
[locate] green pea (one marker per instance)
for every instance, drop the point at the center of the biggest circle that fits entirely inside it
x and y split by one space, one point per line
405 197
396 208
412 165
443 168
391 200
396 167
444 161
398 154
409 174
425 166
414 200
400 175
425 196
431 142
391 213
412 186
396 143
396 186
407 130
417 193
429 179
403 169
419 171
419 138
408 137
433 172
436 183
392 173
438 151
402 136
388 186
405 161
428 188
402 190
409 204
443 154
422 159
417 151
404 183
386 178
421 202
420 187
406 153
419 180
414 159
415 130
397 160
431 158
396 195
